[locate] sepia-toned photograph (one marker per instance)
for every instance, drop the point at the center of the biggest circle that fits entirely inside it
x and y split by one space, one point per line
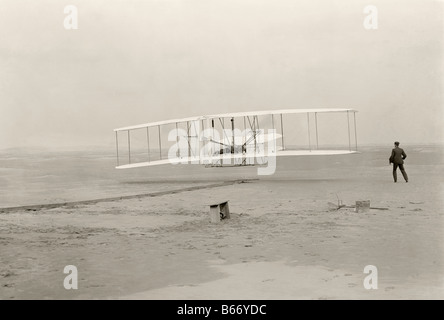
221 150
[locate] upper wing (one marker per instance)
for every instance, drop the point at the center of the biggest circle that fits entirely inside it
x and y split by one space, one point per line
277 112
236 115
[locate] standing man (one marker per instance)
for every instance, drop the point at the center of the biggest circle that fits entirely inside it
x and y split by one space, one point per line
397 158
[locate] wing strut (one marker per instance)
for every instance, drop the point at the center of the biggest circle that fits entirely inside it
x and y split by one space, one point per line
348 126
316 124
117 148
196 135
356 134
148 142
160 143
189 138
245 129
308 126
129 147
282 131
256 129
232 130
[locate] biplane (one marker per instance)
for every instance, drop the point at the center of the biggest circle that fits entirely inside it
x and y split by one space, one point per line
238 139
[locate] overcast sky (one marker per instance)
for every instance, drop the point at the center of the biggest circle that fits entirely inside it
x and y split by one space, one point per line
133 62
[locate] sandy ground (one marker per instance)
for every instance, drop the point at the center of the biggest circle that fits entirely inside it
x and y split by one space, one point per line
283 241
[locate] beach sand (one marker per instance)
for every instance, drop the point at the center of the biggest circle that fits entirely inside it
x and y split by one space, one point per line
285 238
